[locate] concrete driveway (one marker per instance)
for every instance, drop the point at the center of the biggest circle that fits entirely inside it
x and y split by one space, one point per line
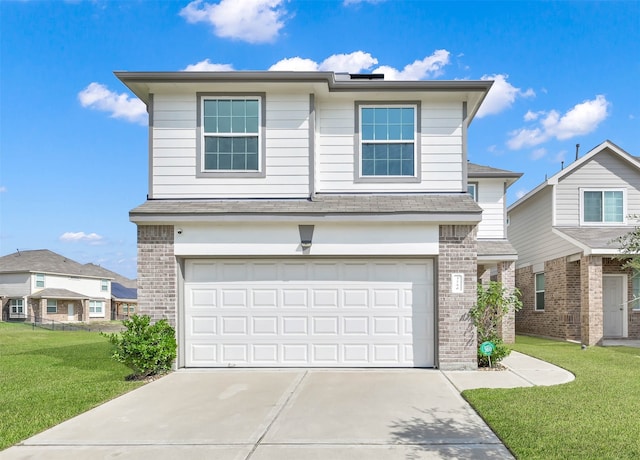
276 414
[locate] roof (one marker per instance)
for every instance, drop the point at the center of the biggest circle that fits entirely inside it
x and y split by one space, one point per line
45 261
420 207
499 249
52 293
117 278
594 240
553 180
120 292
143 84
476 171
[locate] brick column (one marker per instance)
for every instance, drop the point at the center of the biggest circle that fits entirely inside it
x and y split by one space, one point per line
507 276
157 272
457 337
591 313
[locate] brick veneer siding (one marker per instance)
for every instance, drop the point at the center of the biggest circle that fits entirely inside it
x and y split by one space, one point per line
457 341
591 317
157 288
507 277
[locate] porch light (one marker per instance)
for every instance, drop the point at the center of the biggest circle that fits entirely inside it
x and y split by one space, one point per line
306 237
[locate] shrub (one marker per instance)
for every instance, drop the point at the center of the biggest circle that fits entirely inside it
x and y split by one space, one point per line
147 349
494 302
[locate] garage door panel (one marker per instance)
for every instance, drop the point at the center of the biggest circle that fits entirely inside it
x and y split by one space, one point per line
328 313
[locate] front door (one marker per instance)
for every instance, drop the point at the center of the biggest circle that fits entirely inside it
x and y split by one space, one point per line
614 306
70 312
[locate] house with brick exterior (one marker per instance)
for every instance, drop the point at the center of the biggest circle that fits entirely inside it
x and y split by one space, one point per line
41 285
315 218
572 283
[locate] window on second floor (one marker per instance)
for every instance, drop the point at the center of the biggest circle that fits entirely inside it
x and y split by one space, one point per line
539 281
39 280
472 189
388 146
603 206
104 285
231 135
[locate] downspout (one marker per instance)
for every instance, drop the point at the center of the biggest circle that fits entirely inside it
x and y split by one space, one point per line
312 146
465 168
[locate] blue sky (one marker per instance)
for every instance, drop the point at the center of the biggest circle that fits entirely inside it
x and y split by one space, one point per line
73 141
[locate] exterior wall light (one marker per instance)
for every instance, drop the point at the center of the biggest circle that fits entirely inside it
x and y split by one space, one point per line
306 237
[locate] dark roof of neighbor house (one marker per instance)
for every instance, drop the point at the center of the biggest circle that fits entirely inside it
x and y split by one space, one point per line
52 293
120 292
438 205
44 261
594 237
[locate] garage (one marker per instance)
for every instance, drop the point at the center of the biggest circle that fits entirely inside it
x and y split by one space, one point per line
309 313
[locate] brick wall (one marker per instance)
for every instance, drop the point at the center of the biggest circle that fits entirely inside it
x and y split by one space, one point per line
591 317
507 277
157 289
457 342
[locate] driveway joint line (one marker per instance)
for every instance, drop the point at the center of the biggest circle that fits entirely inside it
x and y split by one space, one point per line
296 385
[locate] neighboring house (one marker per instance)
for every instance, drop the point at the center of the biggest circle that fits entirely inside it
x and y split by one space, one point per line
124 296
314 219
41 285
572 283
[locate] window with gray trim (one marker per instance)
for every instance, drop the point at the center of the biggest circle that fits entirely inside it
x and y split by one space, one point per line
52 306
603 206
472 189
539 282
231 134
387 140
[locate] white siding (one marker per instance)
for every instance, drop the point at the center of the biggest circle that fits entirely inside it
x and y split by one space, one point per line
174 151
530 231
441 149
490 193
603 171
14 284
86 286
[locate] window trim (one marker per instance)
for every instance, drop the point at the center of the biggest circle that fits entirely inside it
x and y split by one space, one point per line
37 280
537 291
17 314
417 154
602 190
261 172
474 195
55 306
94 314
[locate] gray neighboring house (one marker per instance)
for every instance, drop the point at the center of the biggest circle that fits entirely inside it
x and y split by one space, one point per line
572 282
124 293
316 218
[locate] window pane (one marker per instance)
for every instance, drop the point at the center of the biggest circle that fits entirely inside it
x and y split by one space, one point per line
252 109
380 168
238 108
540 300
407 132
367 116
380 132
252 145
407 152
593 206
237 125
224 145
367 132
251 125
224 108
210 108
380 116
224 125
395 151
395 132
394 116
380 151
613 211
224 161
367 167
238 162
252 161
367 152
210 124
540 282
239 145
407 168
395 167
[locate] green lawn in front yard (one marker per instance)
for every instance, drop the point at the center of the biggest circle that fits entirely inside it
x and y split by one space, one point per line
49 376
597 416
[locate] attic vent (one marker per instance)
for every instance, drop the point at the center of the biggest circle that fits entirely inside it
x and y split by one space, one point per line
367 76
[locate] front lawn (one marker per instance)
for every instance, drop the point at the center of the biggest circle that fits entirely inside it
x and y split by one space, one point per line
49 376
597 416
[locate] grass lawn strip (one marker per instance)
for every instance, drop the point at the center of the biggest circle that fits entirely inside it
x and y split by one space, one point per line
47 377
597 416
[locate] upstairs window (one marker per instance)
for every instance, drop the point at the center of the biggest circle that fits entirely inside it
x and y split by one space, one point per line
472 189
231 134
602 206
104 285
388 146
39 280
539 291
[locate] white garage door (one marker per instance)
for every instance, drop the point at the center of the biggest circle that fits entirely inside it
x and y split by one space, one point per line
323 313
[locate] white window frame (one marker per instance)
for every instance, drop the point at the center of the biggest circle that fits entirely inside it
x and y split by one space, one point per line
474 194
602 190
20 310
538 291
415 105
93 308
55 306
104 285
200 161
40 278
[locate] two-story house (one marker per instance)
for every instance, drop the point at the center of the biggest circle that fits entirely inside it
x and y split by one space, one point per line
41 285
312 218
564 230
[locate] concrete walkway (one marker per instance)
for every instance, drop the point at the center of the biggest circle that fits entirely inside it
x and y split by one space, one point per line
235 414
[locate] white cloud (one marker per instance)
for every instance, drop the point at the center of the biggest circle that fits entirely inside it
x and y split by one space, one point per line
91 238
352 63
582 119
531 116
538 153
252 21
356 2
430 66
208 66
98 97
520 193
3 189
501 96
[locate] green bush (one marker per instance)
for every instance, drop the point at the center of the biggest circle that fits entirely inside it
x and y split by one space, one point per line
494 302
147 349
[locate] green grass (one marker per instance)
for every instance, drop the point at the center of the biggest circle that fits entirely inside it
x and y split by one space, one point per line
49 376
597 416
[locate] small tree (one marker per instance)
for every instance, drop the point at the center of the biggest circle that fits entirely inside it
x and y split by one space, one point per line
630 246
147 349
494 302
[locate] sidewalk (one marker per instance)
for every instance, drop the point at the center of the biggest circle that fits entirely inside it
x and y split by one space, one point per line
522 371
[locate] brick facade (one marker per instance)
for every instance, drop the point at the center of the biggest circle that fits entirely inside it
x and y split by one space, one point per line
591 315
507 277
457 341
157 272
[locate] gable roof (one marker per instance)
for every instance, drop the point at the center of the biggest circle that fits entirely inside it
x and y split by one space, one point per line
120 292
44 261
476 171
553 180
